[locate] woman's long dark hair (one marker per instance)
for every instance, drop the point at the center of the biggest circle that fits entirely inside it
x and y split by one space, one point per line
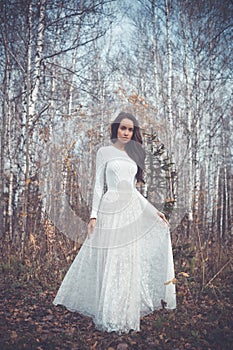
134 147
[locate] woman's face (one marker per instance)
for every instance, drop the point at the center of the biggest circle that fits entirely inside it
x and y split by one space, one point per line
125 131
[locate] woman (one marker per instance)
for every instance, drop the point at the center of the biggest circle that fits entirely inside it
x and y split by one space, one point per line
120 271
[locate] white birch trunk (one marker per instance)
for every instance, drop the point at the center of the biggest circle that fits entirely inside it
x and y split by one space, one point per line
9 148
225 203
38 56
2 171
11 177
229 204
190 132
169 125
168 108
155 61
197 155
215 200
32 83
74 62
3 151
26 132
210 145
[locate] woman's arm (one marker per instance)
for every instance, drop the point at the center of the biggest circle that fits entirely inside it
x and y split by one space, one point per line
91 226
160 214
98 189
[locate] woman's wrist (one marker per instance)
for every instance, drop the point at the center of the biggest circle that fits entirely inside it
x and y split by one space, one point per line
92 219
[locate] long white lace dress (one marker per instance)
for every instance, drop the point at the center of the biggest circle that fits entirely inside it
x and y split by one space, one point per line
119 273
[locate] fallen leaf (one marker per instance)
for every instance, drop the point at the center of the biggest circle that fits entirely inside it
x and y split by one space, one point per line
173 281
185 274
14 335
122 346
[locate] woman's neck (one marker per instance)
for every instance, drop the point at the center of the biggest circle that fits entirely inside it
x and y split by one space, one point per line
119 145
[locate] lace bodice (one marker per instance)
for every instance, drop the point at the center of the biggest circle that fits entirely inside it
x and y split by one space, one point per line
117 169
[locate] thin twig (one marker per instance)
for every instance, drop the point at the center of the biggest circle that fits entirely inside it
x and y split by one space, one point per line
202 255
218 273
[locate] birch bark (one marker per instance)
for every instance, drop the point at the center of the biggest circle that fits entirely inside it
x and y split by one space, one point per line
155 49
6 126
169 115
189 129
32 90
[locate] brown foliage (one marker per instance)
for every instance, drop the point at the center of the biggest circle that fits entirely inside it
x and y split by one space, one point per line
28 319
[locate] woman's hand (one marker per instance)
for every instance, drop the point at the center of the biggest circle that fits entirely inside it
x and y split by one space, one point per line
91 226
163 217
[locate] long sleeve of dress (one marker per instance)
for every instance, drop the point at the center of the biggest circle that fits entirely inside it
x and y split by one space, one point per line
99 183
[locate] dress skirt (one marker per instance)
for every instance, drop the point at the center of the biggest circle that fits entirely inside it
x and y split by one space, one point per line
120 273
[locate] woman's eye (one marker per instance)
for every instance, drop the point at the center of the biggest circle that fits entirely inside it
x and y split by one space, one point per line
124 128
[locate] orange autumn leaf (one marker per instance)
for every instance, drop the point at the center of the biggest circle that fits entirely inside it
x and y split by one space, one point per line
173 281
184 274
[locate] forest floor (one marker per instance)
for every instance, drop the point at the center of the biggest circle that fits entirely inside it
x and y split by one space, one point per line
28 320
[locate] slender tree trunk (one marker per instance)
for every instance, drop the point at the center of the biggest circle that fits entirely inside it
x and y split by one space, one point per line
169 114
74 62
190 130
11 177
196 145
220 215
3 151
2 169
215 200
32 84
210 144
7 120
155 50
230 204
224 209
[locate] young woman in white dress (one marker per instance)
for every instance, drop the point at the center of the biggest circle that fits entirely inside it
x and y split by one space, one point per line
121 270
